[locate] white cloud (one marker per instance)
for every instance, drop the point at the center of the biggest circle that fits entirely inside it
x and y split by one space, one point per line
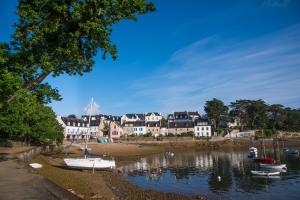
266 67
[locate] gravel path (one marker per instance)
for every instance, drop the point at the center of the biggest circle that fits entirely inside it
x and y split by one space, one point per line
18 182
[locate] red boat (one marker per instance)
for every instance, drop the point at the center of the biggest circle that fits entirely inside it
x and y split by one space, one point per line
267 160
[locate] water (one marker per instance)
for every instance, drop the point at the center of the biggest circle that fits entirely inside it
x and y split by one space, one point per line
196 173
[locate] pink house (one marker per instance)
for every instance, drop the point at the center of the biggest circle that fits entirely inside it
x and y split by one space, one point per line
115 129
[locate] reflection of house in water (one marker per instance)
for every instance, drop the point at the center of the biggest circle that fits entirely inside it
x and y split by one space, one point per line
185 165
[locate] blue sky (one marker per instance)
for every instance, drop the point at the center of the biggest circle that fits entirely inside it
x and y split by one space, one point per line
188 52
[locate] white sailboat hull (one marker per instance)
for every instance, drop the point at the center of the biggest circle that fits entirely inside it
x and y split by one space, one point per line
273 166
264 173
89 163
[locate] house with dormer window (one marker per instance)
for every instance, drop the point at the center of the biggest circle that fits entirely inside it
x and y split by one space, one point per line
132 118
74 128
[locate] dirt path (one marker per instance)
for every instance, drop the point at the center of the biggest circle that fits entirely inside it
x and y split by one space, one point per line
18 182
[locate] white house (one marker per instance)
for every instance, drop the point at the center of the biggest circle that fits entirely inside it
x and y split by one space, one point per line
132 118
139 128
234 122
153 117
74 128
202 129
163 131
94 124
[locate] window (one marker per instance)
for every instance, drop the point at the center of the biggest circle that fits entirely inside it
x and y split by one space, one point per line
197 128
141 129
202 128
207 128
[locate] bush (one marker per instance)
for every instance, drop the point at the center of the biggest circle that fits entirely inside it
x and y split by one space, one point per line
149 134
266 133
187 134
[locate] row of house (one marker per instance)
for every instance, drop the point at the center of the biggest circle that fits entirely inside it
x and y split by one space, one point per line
152 123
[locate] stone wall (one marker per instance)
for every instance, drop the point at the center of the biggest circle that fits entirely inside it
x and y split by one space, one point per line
35 151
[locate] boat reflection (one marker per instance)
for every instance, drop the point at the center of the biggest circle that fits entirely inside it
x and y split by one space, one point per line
216 174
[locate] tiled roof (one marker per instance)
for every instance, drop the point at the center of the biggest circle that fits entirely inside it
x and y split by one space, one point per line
73 120
134 116
153 124
155 113
188 124
139 123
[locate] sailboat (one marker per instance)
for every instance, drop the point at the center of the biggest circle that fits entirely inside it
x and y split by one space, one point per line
264 159
89 163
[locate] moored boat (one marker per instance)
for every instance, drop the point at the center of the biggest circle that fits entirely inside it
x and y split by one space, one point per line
273 166
252 152
264 173
267 160
290 152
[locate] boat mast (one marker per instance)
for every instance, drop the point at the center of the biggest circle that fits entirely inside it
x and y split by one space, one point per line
89 125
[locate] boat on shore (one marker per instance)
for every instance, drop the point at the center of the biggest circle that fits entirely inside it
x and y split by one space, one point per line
265 173
89 163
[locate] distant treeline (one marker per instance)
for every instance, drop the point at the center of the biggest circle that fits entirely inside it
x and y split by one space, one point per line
253 114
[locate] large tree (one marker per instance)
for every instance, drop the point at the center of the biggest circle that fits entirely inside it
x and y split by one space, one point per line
257 112
239 110
277 115
53 37
216 110
63 36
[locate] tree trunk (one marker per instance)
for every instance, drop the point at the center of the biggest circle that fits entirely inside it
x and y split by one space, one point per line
30 85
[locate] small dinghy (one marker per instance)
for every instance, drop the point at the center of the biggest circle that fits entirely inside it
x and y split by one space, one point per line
273 166
252 152
35 165
290 152
89 163
264 173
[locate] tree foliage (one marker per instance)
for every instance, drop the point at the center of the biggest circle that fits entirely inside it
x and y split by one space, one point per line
56 37
30 120
53 37
216 110
256 114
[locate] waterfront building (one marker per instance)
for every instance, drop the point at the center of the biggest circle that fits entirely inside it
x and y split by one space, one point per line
132 118
94 124
234 122
115 129
139 128
202 128
183 116
74 128
128 128
153 117
179 127
153 127
182 122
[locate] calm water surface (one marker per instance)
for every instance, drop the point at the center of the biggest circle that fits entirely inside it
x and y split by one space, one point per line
196 173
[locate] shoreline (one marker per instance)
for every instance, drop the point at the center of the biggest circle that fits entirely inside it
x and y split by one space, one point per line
111 184
103 184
